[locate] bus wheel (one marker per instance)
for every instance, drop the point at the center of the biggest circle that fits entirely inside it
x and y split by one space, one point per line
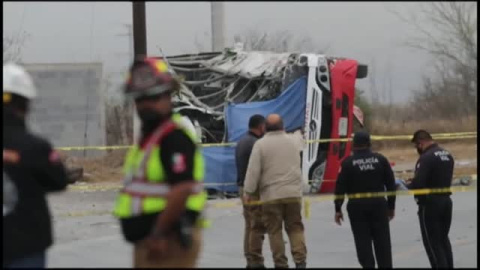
317 177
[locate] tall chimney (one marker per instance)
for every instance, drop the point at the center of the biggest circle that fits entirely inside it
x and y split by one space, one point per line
218 26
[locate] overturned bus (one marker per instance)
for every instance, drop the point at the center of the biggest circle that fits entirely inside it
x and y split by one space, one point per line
220 91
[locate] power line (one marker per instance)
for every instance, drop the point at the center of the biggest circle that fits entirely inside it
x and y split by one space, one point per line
91 31
90 82
129 34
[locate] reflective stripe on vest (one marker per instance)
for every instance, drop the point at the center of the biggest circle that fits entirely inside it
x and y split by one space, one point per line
158 190
144 189
147 189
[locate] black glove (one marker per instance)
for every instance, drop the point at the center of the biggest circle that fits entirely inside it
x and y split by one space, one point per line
185 233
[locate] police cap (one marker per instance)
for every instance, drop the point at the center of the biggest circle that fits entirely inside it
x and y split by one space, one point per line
361 138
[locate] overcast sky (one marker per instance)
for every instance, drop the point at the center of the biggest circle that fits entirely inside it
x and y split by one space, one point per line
365 31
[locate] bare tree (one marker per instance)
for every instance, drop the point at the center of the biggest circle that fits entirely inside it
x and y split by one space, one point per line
374 95
119 118
12 47
448 31
381 103
255 39
387 92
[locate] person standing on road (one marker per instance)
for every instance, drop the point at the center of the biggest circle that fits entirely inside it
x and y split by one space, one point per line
362 172
434 169
254 228
33 169
162 200
274 172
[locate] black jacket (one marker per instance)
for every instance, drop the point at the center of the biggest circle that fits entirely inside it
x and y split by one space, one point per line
39 170
242 155
365 171
434 169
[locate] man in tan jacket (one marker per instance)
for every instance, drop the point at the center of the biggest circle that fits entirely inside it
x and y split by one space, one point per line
274 171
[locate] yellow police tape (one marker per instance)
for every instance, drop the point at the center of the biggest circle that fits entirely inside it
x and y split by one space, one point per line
439 136
307 200
201 222
331 197
117 186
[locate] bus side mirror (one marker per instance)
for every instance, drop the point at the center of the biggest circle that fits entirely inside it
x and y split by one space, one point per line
362 71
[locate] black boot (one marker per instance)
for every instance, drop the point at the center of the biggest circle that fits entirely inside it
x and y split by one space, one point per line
301 265
257 266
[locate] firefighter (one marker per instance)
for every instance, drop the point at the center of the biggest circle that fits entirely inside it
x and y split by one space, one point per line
363 172
162 199
31 168
434 169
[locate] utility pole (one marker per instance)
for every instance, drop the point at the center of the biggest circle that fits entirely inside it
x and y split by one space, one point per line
218 26
139 29
139 47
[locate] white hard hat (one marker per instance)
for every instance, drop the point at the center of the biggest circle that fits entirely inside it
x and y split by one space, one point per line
17 81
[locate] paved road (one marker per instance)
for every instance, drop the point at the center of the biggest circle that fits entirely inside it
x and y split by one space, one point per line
91 238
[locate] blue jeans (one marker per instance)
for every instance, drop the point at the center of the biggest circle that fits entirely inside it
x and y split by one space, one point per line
37 260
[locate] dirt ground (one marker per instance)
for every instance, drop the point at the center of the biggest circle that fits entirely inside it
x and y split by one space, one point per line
109 167
102 169
461 151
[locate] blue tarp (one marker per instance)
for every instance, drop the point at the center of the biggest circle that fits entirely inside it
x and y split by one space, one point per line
220 168
221 171
290 105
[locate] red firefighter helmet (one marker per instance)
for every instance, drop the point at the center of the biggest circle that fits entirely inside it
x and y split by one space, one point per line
149 77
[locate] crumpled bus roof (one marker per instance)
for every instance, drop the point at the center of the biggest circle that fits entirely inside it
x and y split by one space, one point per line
249 64
212 80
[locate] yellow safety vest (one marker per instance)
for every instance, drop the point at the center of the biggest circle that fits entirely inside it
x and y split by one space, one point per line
145 184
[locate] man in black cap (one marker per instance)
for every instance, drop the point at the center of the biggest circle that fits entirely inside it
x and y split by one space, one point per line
254 228
362 172
434 169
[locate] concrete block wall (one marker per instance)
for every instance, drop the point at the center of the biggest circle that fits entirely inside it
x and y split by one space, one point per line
70 109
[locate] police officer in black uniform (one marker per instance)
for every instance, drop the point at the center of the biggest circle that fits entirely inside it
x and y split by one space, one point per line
434 169
363 172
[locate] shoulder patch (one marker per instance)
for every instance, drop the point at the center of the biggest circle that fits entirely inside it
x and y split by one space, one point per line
54 157
179 164
11 156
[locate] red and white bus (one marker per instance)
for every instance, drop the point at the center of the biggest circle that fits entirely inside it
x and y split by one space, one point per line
328 115
211 79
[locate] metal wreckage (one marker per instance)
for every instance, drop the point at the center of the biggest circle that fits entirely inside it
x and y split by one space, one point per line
213 81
